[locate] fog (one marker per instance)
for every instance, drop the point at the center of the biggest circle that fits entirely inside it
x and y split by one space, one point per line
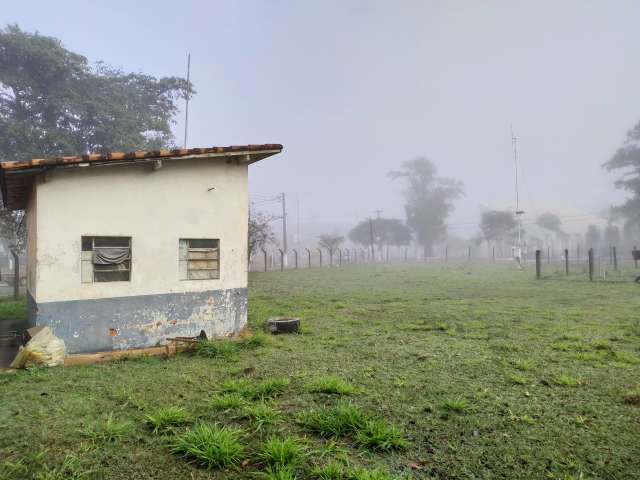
354 88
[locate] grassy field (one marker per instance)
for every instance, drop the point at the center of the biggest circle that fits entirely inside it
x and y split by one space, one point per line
400 372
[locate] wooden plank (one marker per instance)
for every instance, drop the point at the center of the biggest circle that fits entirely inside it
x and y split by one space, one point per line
87 358
203 265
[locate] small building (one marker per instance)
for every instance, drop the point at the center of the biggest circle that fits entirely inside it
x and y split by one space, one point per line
127 249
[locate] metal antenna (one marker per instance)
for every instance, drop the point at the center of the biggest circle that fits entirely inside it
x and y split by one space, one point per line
518 252
186 110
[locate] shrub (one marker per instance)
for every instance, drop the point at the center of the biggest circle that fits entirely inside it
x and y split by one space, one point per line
165 419
210 445
377 435
334 422
331 385
280 453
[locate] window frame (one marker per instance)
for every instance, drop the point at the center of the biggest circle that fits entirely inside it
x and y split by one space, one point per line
184 249
85 277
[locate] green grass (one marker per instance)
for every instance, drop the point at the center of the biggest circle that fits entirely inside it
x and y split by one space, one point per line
338 421
261 415
210 445
278 453
331 385
166 419
410 338
377 435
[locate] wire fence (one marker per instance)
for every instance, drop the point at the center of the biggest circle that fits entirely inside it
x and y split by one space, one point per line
606 264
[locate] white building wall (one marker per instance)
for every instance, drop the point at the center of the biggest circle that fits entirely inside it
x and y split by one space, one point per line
197 198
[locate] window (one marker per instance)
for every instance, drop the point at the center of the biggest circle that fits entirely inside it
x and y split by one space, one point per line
199 259
106 259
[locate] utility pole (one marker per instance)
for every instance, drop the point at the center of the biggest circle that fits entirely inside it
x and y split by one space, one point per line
373 252
284 226
298 239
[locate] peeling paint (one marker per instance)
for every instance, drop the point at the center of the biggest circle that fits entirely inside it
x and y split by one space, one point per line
141 321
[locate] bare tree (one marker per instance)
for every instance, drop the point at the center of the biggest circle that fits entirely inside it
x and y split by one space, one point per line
330 242
260 231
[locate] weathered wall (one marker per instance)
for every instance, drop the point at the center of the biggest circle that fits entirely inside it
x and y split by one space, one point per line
154 208
196 198
31 214
142 321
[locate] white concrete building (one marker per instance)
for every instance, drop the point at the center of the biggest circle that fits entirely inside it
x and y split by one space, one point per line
125 250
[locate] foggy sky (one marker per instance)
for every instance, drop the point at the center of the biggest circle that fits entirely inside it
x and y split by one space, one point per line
354 88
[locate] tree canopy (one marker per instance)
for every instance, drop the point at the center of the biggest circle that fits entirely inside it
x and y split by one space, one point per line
331 242
626 161
429 200
386 231
53 102
593 237
550 221
497 225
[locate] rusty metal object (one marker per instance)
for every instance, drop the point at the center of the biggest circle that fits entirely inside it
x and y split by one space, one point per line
183 344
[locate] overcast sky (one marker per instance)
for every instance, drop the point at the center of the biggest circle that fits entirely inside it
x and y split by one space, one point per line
354 88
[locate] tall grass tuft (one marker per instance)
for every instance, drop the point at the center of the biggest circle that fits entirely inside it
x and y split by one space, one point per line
279 453
110 430
285 473
210 445
220 349
257 340
166 419
261 415
377 435
456 405
269 388
331 385
338 421
228 401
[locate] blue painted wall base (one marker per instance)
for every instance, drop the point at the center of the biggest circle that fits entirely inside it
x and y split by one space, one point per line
140 321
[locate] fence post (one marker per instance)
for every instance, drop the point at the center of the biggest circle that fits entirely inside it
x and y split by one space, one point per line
635 260
339 257
566 261
295 256
469 254
493 254
320 251
591 264
387 255
264 254
308 257
281 260
538 266
548 254
405 254
446 253
615 258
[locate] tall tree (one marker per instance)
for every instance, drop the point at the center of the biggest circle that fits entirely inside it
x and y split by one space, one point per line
497 225
612 235
53 102
386 231
429 200
626 161
550 221
331 242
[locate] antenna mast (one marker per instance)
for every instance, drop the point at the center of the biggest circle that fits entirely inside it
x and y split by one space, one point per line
518 252
186 110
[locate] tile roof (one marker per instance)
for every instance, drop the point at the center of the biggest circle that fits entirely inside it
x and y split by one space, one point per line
17 176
